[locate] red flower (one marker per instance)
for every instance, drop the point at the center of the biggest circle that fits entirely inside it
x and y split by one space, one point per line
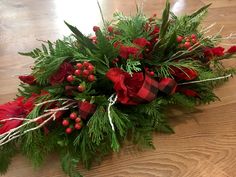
126 51
15 109
232 49
28 79
64 70
132 90
217 51
141 42
125 86
184 73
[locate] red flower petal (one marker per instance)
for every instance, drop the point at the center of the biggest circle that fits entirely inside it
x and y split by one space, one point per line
142 42
64 70
232 49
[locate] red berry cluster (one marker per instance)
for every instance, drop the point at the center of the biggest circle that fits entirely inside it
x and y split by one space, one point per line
72 123
187 42
84 71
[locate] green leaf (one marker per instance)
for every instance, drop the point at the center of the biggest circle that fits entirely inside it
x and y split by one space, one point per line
204 8
165 20
85 42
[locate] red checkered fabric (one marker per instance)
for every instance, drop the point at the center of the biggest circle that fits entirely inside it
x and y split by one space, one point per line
86 109
147 92
167 85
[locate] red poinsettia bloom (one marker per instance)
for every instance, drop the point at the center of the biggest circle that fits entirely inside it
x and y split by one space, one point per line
141 42
15 109
232 49
64 70
217 51
184 73
29 79
125 85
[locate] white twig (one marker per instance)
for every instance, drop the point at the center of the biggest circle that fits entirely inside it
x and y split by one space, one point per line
207 29
47 116
206 80
50 101
112 100
13 118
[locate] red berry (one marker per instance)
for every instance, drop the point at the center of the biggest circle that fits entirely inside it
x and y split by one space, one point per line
77 72
65 123
68 130
91 78
81 88
179 39
79 65
151 73
194 41
73 115
90 68
86 64
154 15
78 126
110 29
147 49
77 120
193 36
150 19
96 28
116 59
70 78
187 45
85 73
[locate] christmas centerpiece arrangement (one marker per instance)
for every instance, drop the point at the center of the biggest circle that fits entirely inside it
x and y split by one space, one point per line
86 95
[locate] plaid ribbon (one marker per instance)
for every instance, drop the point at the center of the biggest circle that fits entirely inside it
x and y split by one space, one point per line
86 109
167 86
147 92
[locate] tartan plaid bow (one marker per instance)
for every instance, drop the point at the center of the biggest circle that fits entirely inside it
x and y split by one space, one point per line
167 85
150 88
86 109
147 92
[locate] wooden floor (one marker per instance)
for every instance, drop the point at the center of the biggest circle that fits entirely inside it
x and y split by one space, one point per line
205 142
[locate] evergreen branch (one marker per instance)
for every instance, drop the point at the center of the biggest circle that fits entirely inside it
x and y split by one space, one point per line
69 164
7 152
132 66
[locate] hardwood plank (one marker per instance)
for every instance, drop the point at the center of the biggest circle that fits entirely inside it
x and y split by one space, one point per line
204 144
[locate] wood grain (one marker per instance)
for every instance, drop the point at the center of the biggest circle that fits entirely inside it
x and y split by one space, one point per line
204 144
